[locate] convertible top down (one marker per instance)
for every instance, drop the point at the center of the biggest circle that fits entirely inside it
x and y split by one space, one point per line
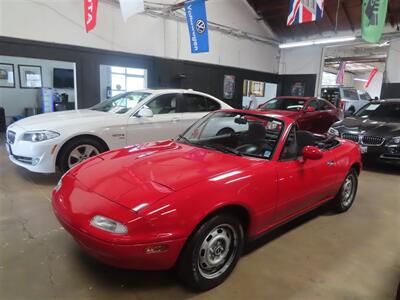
193 202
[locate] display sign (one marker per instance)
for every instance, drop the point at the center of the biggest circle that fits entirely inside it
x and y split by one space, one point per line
90 14
196 19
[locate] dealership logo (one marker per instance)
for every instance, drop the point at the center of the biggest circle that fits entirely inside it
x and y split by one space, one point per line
200 26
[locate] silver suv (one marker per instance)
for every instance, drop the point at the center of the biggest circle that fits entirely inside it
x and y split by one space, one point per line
347 98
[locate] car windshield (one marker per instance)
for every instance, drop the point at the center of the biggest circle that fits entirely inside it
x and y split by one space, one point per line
291 104
235 133
383 112
121 103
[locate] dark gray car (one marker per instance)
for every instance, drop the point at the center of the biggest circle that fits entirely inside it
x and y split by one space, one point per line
376 128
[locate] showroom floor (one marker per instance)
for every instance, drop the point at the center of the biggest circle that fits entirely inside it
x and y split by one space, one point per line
355 255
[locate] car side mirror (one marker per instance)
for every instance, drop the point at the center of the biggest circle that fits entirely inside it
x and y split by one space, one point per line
311 152
348 113
310 109
144 112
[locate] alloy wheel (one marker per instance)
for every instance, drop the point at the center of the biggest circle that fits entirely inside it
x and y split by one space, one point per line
80 153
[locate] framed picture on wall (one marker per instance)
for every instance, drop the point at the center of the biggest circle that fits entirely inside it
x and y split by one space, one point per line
229 86
30 77
7 78
298 89
257 88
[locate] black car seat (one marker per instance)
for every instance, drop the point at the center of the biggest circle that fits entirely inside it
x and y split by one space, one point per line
254 141
304 138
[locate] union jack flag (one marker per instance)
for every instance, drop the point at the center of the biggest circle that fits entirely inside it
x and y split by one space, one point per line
303 11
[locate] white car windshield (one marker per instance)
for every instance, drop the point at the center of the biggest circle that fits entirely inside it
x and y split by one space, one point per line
235 133
120 104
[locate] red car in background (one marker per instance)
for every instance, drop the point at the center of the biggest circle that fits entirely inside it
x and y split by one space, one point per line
312 114
192 203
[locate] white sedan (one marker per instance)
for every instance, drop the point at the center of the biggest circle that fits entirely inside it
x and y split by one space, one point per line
63 139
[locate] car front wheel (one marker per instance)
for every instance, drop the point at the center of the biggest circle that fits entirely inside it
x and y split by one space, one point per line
345 198
211 253
78 150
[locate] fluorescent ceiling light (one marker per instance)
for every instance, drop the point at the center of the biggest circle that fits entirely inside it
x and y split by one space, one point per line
360 79
318 42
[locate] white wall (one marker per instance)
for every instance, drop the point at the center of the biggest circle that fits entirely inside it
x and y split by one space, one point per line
62 21
393 63
302 60
15 100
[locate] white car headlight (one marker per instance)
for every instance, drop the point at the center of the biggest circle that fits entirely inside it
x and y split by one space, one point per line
108 224
38 136
333 131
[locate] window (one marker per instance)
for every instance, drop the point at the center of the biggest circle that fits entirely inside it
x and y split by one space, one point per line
291 104
322 105
164 104
127 79
350 94
198 103
314 104
289 150
121 103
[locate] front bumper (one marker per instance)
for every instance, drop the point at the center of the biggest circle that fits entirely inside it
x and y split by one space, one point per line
126 256
74 206
37 157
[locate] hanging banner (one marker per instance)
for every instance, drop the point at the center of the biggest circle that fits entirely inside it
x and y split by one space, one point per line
340 74
130 8
371 76
90 14
373 17
302 11
196 19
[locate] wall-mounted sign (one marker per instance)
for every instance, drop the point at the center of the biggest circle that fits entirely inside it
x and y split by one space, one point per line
196 19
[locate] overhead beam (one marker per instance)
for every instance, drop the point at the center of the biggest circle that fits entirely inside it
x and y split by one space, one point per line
346 13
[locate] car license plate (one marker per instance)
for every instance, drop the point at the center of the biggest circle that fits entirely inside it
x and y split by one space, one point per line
363 149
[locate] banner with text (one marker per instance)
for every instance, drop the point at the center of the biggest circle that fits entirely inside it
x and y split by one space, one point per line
90 14
196 18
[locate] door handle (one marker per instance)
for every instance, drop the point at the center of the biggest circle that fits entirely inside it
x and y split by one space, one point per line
330 163
175 120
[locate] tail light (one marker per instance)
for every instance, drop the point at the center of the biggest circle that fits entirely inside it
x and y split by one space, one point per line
342 103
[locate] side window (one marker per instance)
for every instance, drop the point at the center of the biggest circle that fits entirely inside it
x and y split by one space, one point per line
198 103
289 150
313 103
350 94
322 105
164 104
212 104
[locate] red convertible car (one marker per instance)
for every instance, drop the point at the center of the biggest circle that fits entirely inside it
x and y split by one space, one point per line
192 203
312 114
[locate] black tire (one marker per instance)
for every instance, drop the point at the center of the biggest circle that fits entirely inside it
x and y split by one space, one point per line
347 193
65 152
226 131
213 235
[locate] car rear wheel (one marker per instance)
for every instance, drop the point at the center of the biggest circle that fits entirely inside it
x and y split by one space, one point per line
78 150
345 198
211 253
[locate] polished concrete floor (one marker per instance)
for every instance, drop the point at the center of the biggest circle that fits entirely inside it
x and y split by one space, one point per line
355 255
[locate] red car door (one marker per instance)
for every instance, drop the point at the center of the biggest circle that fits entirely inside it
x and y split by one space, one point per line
302 183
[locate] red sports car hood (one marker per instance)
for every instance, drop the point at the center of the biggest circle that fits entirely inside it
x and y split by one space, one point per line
286 113
142 174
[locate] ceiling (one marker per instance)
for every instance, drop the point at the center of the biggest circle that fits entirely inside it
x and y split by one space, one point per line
275 12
